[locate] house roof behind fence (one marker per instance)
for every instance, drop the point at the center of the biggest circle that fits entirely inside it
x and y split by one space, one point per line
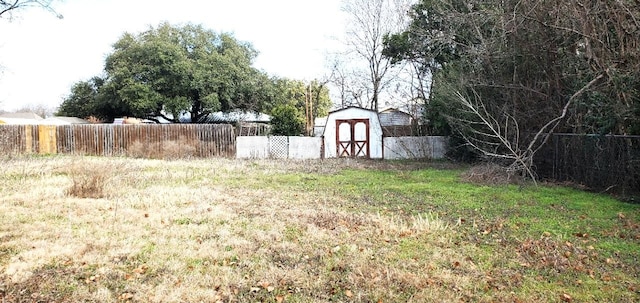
59 120
394 116
20 121
320 121
230 117
30 116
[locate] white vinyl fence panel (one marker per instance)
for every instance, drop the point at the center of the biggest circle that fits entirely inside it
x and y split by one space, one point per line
278 147
431 147
305 147
252 147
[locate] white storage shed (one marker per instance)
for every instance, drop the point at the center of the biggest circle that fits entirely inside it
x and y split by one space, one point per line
353 132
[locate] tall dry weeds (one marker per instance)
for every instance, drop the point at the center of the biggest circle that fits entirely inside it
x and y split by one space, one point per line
90 178
491 174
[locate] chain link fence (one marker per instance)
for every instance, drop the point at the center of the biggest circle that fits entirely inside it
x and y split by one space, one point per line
603 163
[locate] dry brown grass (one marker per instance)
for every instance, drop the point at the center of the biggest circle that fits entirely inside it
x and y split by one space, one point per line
177 232
220 230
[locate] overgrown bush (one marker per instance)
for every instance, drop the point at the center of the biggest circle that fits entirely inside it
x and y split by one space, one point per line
286 121
89 179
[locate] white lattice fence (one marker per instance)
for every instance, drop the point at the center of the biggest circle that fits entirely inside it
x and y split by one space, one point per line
279 147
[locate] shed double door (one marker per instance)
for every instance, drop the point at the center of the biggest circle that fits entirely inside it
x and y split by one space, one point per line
352 138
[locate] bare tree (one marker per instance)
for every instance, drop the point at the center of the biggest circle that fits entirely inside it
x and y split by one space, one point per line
368 23
7 7
496 133
345 79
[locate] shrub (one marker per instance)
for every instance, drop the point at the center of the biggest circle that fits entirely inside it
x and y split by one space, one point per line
286 121
89 180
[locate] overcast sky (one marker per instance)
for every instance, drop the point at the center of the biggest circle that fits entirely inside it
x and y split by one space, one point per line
41 56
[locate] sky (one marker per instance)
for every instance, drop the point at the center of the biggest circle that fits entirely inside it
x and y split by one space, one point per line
42 56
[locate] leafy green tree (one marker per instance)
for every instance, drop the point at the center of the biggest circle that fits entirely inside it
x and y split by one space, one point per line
320 94
82 101
168 71
286 120
295 92
528 58
311 99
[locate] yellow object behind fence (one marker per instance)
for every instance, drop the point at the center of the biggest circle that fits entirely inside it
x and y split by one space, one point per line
47 139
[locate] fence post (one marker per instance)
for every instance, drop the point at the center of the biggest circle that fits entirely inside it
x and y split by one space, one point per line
554 166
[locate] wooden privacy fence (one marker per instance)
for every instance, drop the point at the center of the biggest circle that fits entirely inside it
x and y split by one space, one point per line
18 139
149 141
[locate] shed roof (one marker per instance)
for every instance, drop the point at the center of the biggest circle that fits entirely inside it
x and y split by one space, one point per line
351 107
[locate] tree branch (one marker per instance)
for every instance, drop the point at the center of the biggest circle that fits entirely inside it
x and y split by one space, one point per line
554 122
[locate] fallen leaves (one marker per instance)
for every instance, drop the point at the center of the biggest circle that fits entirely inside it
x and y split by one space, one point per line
566 298
125 296
560 256
140 270
92 279
267 286
263 286
348 293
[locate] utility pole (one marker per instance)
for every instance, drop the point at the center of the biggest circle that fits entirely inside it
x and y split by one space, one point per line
309 111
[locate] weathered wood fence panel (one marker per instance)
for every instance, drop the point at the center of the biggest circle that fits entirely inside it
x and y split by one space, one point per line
152 141
18 139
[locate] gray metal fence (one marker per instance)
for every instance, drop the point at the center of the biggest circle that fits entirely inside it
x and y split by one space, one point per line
606 163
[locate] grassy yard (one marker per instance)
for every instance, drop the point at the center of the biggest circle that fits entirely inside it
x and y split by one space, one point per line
76 229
